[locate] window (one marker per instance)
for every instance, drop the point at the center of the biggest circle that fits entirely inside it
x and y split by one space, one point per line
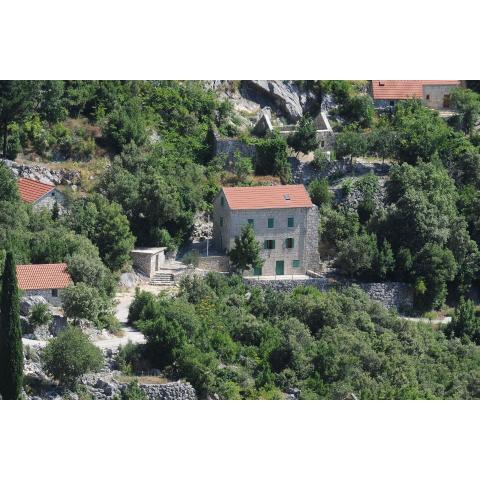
222 202
270 223
250 221
221 221
53 193
428 97
290 222
257 271
392 103
269 244
54 292
289 242
322 143
295 263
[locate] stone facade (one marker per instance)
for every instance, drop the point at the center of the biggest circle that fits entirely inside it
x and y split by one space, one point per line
148 260
227 225
52 296
49 200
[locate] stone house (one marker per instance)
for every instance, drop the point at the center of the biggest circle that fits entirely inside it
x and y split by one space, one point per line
148 260
285 222
40 195
47 280
433 93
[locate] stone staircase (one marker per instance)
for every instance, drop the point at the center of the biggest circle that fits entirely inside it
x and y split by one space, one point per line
162 278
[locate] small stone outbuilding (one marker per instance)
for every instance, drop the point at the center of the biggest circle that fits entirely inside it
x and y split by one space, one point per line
39 194
148 260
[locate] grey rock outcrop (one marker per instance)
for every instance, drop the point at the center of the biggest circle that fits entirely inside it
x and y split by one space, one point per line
45 175
28 302
286 95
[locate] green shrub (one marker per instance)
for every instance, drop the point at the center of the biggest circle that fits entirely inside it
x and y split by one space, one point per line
133 392
40 314
71 355
192 258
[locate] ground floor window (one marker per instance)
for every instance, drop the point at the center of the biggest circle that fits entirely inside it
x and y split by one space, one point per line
295 263
257 271
54 292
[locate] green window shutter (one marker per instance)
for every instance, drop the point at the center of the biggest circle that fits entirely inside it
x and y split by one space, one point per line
295 263
250 221
290 222
222 201
270 223
221 221
265 244
257 271
273 244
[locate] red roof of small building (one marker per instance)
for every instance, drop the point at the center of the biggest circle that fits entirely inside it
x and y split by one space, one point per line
43 276
404 89
276 196
32 190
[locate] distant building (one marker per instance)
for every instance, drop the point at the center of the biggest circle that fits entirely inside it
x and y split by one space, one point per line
285 222
148 260
433 93
47 280
39 194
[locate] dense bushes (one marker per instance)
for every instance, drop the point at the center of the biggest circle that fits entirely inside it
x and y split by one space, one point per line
244 342
70 355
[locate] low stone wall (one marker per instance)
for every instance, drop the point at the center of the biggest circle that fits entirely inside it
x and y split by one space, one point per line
169 391
217 263
287 285
397 295
229 146
391 294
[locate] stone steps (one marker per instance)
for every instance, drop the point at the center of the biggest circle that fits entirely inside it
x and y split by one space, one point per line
162 278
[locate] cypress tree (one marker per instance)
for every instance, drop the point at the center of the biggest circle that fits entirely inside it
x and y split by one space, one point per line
11 351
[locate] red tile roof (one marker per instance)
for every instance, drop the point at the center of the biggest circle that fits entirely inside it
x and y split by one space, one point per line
404 89
276 196
43 276
32 190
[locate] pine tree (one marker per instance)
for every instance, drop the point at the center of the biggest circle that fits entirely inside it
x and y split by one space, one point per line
11 352
246 252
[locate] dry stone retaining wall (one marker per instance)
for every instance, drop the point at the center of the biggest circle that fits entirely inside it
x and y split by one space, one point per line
397 295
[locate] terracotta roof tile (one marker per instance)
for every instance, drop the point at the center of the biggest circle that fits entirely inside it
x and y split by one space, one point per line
32 190
43 276
404 89
276 196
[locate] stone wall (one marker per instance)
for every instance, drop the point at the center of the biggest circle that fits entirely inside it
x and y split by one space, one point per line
49 200
216 263
311 255
169 391
229 146
47 295
390 294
